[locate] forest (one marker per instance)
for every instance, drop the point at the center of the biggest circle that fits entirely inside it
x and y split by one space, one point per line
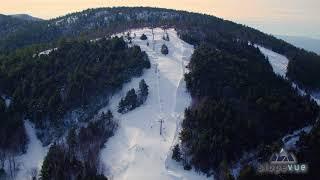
240 105
46 87
192 27
307 152
132 99
78 157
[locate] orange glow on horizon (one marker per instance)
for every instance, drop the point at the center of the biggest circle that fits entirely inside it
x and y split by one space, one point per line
272 13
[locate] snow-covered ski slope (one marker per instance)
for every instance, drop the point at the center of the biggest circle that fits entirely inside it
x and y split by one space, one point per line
137 150
279 64
32 160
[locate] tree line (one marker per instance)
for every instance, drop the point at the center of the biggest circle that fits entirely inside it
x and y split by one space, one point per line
78 157
44 88
192 27
133 100
240 105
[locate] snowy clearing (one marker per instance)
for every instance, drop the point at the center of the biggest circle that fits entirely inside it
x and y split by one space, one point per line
47 52
34 157
279 64
137 150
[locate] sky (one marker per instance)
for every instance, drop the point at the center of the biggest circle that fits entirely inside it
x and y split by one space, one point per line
282 17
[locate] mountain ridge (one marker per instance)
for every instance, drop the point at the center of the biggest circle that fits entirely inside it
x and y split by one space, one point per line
26 17
307 43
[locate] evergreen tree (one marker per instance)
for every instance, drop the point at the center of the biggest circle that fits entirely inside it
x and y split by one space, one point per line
131 99
164 49
3 174
176 154
143 91
72 140
166 37
121 106
128 103
143 37
224 171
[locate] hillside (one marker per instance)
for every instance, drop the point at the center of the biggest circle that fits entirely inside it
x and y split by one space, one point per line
103 21
11 25
25 17
150 93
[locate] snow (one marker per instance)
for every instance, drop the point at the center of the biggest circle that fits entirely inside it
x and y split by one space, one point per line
137 150
47 52
7 100
279 64
35 154
291 139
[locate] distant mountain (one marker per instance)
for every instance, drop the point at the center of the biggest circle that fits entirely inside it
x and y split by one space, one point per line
26 17
306 43
192 27
11 24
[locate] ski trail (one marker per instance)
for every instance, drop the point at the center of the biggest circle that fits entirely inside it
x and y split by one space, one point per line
137 150
279 64
33 158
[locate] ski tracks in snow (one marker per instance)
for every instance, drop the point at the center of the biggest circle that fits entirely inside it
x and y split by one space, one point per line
138 151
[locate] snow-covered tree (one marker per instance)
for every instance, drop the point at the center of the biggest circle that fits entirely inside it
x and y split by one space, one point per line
164 49
143 37
143 91
128 103
176 154
166 37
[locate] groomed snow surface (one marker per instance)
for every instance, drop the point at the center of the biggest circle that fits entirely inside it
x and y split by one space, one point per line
32 160
279 64
137 150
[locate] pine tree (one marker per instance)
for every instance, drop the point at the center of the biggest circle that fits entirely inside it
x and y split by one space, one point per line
166 37
128 103
72 140
143 91
225 171
109 115
121 106
143 37
131 99
164 49
176 154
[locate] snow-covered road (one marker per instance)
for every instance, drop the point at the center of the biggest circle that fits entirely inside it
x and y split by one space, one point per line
137 150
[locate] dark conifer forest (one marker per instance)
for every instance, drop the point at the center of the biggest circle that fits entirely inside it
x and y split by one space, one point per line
79 157
70 66
45 88
193 28
241 105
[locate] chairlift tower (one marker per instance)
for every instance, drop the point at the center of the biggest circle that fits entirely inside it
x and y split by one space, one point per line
161 122
153 43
